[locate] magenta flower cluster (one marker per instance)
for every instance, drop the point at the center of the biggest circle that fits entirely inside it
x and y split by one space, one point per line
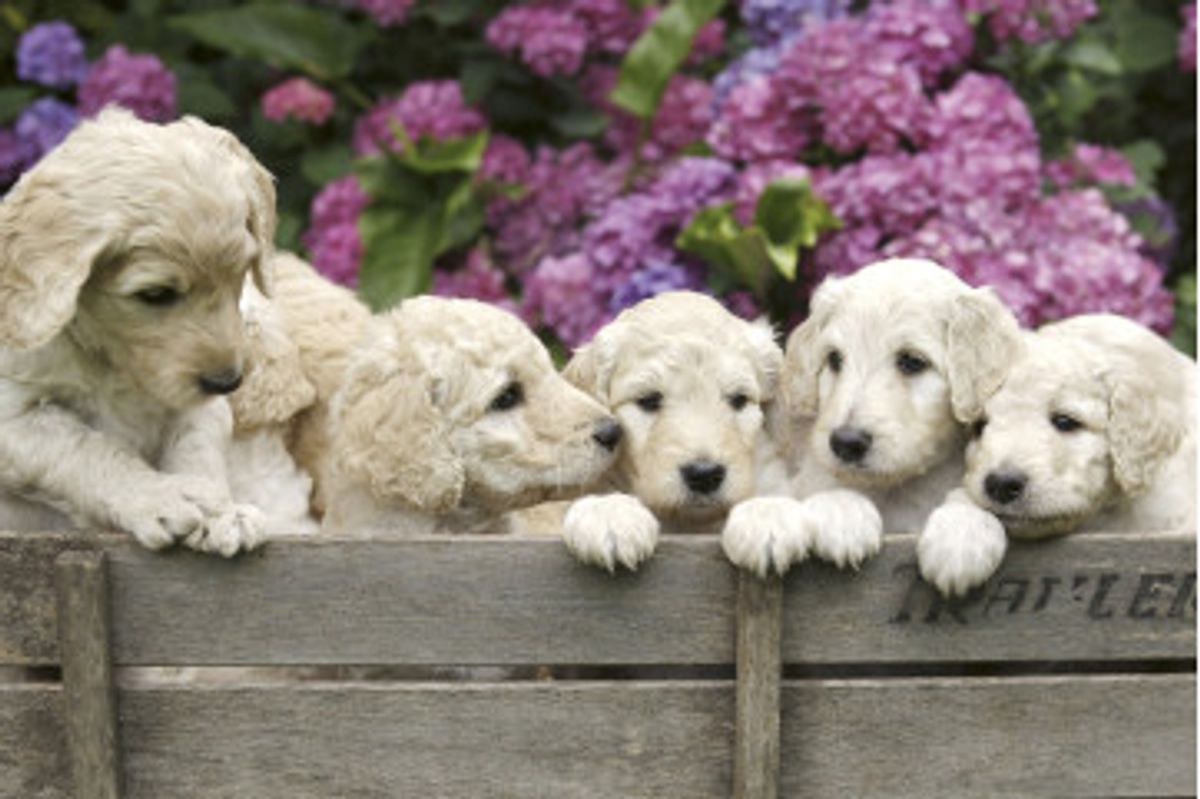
433 109
139 82
1187 39
300 99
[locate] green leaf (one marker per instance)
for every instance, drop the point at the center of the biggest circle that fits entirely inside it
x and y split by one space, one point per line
451 12
658 53
715 236
1095 55
432 157
398 251
580 123
199 95
324 164
1147 157
1144 40
13 101
388 182
317 41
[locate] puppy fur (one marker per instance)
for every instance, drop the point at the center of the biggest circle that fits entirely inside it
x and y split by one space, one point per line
879 380
123 257
452 413
691 385
1093 429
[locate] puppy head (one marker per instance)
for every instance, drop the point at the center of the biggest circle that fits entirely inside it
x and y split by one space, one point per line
133 239
1087 415
690 383
454 402
889 363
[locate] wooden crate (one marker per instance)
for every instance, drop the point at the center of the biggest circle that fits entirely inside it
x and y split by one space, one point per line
1070 673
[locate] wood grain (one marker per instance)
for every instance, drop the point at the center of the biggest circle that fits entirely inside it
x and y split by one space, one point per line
759 672
33 743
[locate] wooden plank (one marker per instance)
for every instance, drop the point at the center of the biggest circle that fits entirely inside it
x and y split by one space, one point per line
33 743
1027 737
759 671
89 695
1086 597
376 741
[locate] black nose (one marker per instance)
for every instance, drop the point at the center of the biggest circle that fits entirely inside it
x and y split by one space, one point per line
703 476
1005 486
850 444
221 382
607 433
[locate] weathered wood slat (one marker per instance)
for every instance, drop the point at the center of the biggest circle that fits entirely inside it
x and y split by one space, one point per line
759 674
33 743
89 695
474 600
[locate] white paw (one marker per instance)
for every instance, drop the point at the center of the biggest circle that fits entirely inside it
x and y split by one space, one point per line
960 548
767 534
846 527
238 528
611 529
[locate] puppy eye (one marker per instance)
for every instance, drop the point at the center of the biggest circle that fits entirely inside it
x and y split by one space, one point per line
1064 423
834 359
910 363
739 400
512 396
978 427
650 402
159 295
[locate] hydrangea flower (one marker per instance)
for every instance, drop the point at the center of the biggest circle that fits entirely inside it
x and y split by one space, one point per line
683 116
1187 39
298 98
386 13
550 41
1033 21
138 82
477 279
933 35
561 294
432 108
1089 164
770 21
650 281
759 120
51 53
45 122
505 160
16 154
612 25
333 239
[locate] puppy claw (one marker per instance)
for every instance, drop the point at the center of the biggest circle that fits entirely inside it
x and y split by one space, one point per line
612 529
960 548
847 527
767 534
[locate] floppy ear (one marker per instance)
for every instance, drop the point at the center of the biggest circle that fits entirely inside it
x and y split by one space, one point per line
802 361
274 387
47 250
590 368
258 186
1145 428
982 341
389 435
766 356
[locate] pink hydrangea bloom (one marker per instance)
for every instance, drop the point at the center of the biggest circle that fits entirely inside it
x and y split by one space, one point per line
561 294
933 35
981 108
138 82
612 25
759 121
477 279
298 98
1187 39
1090 164
341 200
550 41
505 160
432 108
337 253
386 13
709 41
1033 20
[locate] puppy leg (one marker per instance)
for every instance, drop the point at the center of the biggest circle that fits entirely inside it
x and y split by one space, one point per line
846 526
961 546
611 529
766 534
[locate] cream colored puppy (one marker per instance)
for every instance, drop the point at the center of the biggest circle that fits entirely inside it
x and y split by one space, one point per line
1093 429
879 380
691 384
123 258
451 413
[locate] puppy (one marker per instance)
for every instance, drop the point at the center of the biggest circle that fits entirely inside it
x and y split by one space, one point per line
878 382
124 255
691 385
450 414
1092 429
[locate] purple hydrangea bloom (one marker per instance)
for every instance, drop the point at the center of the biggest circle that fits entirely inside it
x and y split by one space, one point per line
1187 39
341 200
650 281
550 41
1154 218
1033 21
477 279
138 82
760 120
612 25
46 122
298 98
742 304
51 53
692 183
770 21
16 155
626 237
337 253
753 62
432 108
1089 164
561 294
933 35
981 108
505 160
386 13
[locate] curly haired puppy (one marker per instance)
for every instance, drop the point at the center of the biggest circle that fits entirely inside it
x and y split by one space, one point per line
1092 429
691 384
879 381
123 257
451 413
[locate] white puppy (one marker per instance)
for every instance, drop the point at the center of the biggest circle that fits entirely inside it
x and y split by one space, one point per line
1092 429
124 254
878 381
451 413
691 384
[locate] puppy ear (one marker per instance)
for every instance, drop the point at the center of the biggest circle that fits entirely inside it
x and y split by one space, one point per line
390 436
766 355
982 340
590 368
802 360
47 251
274 387
1145 428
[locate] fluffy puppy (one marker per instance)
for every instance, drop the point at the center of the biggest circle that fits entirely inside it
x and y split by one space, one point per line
691 385
123 256
879 381
1092 429
451 413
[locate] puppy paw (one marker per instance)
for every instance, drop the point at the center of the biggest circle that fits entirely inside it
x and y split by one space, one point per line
846 527
767 534
158 518
611 529
237 528
960 548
